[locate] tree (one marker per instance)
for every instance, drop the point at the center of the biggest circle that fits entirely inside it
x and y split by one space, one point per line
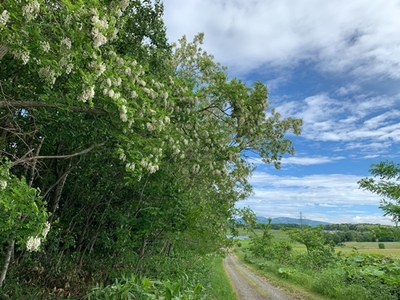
387 186
137 147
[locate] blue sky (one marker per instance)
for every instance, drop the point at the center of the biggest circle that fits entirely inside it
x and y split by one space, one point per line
336 65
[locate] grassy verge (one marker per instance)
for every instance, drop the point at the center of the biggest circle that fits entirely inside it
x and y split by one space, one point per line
222 288
298 288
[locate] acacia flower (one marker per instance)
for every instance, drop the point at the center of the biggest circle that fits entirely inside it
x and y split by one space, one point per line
48 74
22 55
68 68
33 243
3 184
87 94
31 10
45 46
98 38
102 24
46 229
5 15
67 42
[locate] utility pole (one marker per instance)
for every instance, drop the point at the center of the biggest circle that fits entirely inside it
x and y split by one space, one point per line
301 220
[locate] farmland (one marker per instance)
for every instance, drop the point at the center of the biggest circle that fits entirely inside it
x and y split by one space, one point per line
305 259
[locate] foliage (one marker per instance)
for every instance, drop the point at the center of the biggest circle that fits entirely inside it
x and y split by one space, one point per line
22 212
134 287
387 187
136 148
335 275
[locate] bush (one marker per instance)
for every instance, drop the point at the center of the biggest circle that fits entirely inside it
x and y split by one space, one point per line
381 246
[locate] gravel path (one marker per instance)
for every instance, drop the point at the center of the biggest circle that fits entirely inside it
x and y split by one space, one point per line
250 286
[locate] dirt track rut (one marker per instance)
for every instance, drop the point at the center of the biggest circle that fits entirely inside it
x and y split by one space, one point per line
250 286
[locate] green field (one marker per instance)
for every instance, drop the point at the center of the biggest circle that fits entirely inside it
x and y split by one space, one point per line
391 248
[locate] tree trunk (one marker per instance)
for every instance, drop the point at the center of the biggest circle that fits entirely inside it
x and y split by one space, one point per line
7 261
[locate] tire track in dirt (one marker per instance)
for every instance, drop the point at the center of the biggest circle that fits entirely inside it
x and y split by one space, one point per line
249 286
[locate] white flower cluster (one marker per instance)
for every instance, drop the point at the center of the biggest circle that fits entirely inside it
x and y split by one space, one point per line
3 184
195 168
101 24
99 68
122 113
123 4
5 15
98 38
149 166
130 166
45 46
31 10
46 229
22 55
48 74
87 94
64 62
67 42
33 243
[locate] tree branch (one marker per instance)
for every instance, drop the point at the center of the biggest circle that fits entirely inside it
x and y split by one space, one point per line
25 159
29 104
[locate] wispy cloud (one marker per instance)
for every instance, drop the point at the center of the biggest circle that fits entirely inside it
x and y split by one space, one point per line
303 161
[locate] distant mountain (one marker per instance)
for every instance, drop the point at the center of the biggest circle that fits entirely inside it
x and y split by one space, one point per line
283 220
292 221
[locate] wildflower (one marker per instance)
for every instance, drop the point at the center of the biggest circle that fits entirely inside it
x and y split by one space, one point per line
3 184
111 93
134 94
33 244
5 15
31 10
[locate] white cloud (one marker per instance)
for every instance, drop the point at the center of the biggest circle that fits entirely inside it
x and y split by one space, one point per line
330 189
342 36
304 161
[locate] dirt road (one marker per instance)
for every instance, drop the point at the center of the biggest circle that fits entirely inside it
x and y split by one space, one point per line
250 286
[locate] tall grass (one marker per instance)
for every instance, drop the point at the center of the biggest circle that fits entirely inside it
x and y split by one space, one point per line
221 287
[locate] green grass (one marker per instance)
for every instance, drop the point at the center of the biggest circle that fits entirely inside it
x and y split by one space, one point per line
391 248
295 288
222 288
